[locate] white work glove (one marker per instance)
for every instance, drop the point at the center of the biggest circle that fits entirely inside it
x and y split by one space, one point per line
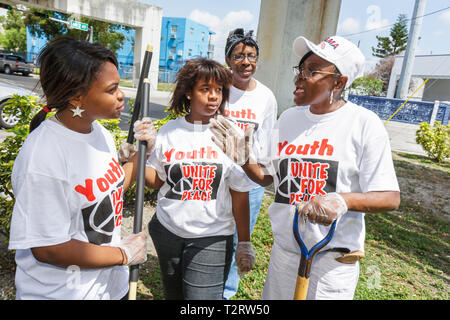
126 151
135 248
143 131
245 257
231 139
324 209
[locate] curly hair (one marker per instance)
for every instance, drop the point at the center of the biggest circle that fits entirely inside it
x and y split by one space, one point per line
193 71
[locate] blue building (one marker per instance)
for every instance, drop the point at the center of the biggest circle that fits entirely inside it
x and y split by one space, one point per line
125 55
181 39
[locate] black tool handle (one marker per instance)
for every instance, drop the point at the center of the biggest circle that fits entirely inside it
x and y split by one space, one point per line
137 102
140 187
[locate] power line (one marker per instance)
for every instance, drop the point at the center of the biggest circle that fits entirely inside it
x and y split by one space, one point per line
390 25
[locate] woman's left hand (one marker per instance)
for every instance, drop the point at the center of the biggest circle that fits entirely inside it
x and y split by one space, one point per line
245 257
324 209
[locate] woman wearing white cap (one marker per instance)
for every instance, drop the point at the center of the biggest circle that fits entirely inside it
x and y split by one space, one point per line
329 154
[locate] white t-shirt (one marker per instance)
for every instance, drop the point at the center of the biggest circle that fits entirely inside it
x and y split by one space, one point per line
195 200
258 107
344 151
67 186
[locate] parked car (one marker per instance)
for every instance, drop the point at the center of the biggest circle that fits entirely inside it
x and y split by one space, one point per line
7 90
10 63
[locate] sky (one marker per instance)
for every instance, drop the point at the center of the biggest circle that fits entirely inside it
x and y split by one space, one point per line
356 19
356 16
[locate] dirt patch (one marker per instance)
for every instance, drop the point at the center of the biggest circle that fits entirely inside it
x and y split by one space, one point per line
424 186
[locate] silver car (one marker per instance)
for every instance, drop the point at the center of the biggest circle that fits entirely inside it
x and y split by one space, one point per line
7 90
10 63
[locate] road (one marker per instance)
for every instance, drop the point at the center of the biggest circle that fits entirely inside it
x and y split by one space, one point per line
30 82
158 100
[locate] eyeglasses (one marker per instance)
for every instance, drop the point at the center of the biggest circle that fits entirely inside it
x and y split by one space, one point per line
308 74
241 57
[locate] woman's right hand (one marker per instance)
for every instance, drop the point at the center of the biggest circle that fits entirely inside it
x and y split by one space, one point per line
145 131
135 248
233 141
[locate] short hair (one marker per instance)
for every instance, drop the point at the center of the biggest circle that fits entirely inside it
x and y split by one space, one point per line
238 36
68 67
193 71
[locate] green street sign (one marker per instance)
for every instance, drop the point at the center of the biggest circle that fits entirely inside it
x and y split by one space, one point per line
79 25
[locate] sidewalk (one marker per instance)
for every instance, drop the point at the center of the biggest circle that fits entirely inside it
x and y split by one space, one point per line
158 97
403 137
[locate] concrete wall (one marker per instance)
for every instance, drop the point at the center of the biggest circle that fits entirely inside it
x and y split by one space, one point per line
280 22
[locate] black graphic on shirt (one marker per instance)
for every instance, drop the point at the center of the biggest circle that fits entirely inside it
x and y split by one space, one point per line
102 217
193 181
244 125
302 179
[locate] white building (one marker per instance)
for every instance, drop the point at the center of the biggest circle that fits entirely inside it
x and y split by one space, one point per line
434 67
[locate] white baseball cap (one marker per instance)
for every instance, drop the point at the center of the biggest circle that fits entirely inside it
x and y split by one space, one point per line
339 51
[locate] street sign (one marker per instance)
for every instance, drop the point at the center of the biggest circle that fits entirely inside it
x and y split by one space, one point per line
79 25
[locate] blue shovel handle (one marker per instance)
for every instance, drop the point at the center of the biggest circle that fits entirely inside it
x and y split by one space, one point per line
307 256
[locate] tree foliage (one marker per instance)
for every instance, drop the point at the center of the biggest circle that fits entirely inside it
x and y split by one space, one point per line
396 41
14 37
382 71
367 86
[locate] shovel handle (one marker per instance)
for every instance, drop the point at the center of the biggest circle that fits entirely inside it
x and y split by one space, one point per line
301 288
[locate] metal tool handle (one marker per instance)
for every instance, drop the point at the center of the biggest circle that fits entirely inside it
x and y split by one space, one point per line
140 189
306 257
137 102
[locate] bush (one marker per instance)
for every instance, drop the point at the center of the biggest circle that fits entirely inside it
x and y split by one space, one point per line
26 107
435 141
367 86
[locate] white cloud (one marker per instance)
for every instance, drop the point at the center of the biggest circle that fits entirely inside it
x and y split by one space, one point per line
374 20
205 18
445 17
349 25
233 19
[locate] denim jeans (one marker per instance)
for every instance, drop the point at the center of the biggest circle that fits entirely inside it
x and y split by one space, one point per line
191 269
255 197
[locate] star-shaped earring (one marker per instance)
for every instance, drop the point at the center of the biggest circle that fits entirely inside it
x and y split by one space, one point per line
77 112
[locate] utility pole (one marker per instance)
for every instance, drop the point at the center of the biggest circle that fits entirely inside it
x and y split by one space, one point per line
91 34
408 59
